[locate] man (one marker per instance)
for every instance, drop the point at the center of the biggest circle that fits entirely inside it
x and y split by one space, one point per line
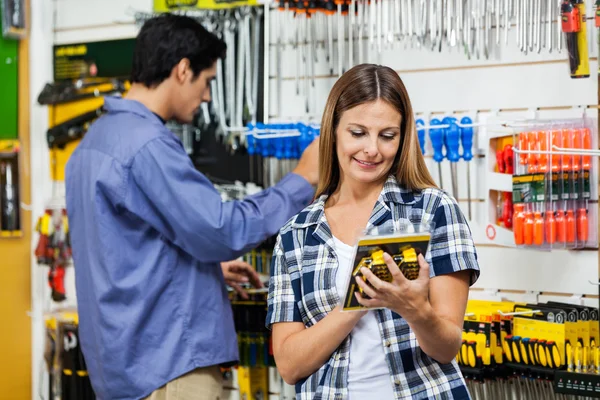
149 231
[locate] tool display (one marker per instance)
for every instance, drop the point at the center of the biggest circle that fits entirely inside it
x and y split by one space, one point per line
10 220
552 186
529 351
53 249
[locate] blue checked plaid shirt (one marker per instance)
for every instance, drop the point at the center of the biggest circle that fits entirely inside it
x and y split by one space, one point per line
302 289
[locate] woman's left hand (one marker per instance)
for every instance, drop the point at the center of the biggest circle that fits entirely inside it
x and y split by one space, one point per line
408 298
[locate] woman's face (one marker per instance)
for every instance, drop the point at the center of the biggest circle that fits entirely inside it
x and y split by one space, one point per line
367 140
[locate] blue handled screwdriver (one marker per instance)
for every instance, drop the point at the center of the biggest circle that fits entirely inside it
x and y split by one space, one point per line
421 134
466 139
452 142
251 145
436 135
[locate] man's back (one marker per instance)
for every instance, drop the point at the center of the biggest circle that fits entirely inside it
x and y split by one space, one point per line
148 232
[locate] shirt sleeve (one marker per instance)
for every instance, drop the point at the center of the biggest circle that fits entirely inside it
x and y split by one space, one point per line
451 248
169 193
281 301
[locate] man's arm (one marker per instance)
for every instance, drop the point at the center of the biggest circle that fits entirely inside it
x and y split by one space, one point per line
183 205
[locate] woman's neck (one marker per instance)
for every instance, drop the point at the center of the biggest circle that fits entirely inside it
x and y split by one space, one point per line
356 193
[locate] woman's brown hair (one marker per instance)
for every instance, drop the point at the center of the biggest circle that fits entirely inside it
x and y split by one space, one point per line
365 83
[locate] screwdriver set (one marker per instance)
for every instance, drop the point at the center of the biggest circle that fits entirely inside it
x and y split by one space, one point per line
553 185
512 348
274 149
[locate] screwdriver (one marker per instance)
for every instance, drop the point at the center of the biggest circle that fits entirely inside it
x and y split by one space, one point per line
519 224
251 147
452 137
582 219
340 35
421 135
466 138
436 135
507 212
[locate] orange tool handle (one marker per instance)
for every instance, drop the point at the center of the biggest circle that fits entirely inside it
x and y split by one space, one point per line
555 157
538 229
543 159
500 161
582 225
532 159
519 222
528 231
567 160
550 227
576 143
586 144
523 146
561 227
571 226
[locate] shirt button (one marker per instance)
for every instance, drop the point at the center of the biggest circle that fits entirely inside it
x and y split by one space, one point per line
397 382
387 343
337 356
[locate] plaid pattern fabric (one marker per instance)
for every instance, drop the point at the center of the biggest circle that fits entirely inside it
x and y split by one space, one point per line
302 289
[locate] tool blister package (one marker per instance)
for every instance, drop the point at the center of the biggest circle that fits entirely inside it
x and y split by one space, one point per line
553 185
10 221
403 244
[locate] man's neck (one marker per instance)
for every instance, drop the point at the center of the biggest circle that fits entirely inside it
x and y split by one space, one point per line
155 99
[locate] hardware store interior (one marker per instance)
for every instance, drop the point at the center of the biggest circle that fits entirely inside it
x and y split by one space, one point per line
505 102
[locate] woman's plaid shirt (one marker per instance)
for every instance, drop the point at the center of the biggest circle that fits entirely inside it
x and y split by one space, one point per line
302 289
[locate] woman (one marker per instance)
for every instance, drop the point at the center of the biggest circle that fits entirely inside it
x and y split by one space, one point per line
372 174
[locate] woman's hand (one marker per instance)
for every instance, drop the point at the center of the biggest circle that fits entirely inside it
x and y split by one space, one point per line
408 298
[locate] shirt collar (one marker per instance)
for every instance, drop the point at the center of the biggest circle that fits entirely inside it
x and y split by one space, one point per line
114 104
392 193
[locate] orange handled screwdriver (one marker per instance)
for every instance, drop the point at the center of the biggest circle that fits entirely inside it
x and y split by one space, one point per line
555 157
570 226
532 165
528 228
523 146
561 227
586 144
567 160
518 223
538 229
543 159
576 144
550 227
582 225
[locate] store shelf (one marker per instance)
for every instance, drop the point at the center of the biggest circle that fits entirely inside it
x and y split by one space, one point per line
577 384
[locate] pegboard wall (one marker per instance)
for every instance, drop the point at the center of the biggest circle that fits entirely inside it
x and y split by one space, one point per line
509 84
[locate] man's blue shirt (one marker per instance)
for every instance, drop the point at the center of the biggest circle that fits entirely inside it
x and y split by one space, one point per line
148 232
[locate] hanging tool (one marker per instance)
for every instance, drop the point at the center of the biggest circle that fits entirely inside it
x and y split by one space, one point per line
466 139
421 134
452 143
340 36
436 136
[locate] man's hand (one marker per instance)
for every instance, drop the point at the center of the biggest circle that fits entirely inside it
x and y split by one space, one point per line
236 272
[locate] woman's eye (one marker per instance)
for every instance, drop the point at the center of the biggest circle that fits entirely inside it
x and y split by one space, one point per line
388 136
356 133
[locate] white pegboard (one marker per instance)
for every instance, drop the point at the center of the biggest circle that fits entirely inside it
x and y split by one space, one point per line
508 84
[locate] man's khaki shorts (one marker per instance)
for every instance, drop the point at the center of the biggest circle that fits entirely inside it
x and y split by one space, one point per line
200 384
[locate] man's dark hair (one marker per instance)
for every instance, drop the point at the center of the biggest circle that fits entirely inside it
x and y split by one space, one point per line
165 40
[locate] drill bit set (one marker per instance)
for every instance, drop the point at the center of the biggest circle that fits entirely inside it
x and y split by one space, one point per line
553 184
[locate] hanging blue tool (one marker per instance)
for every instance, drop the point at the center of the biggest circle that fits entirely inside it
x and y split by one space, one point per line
251 146
436 135
421 134
466 138
452 143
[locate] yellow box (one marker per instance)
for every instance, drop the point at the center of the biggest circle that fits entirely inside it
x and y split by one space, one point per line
253 383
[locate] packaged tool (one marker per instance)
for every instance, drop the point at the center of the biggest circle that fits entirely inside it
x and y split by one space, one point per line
10 216
402 243
574 26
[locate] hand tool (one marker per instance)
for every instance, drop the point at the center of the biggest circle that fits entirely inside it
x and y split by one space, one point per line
582 219
351 14
329 10
421 134
571 25
436 136
466 138
451 141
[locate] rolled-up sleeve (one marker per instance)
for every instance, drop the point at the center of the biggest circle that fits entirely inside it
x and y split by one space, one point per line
452 248
167 191
281 302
